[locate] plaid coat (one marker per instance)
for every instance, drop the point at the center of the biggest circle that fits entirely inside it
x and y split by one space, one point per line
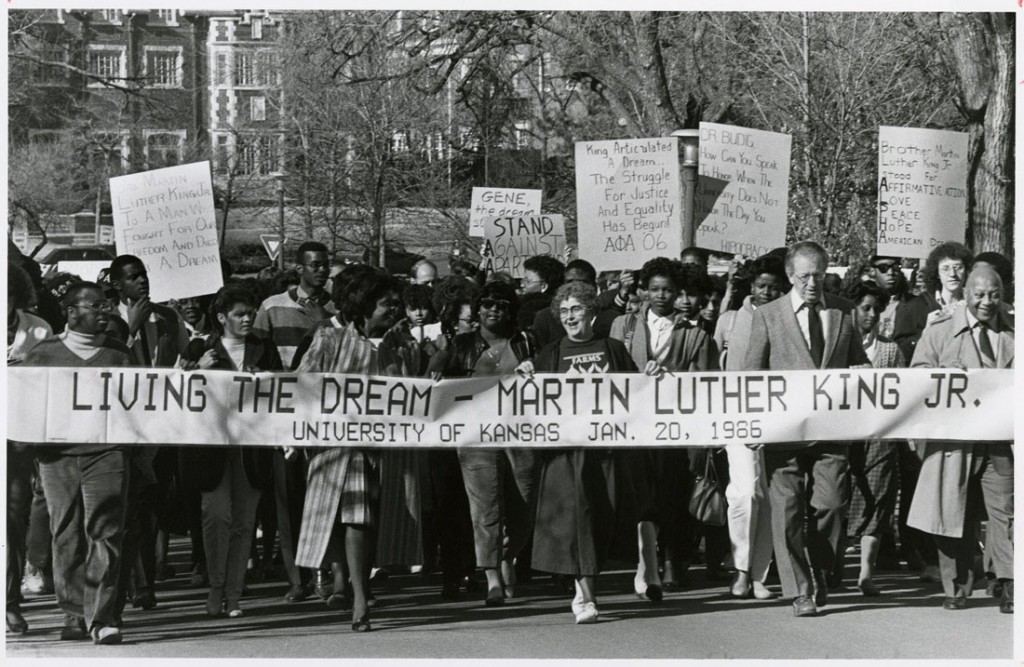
342 483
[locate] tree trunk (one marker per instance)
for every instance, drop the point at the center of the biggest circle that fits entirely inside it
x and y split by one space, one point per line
982 55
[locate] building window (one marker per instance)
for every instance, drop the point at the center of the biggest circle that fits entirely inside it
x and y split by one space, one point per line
106 63
522 135
163 149
257 28
168 16
245 69
267 67
258 108
111 15
51 74
400 142
164 66
221 155
109 150
257 155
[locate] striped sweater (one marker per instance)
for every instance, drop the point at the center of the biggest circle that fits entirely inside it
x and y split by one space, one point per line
285 318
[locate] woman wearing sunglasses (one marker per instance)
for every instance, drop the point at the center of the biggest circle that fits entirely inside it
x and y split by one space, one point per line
501 483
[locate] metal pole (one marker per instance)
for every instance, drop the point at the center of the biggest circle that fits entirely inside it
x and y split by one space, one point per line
689 140
280 222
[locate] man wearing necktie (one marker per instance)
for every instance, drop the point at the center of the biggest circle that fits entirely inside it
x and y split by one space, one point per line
960 479
806 330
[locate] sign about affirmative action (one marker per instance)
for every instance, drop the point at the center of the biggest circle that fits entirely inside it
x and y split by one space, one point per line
511 241
922 190
742 189
627 201
166 218
155 406
490 203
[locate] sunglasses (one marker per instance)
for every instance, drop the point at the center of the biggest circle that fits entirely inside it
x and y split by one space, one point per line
491 304
886 268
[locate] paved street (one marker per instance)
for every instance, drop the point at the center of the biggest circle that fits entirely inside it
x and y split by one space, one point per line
412 621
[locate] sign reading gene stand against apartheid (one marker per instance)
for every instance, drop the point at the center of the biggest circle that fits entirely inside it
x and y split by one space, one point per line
490 203
166 218
742 189
922 190
513 240
628 203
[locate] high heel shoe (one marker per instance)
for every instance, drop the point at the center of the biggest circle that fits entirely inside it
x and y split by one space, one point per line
362 624
215 602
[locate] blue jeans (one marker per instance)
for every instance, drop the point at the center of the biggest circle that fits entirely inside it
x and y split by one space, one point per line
86 496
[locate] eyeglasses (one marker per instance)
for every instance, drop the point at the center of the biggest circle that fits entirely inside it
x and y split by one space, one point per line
886 268
947 269
805 278
491 304
102 307
574 311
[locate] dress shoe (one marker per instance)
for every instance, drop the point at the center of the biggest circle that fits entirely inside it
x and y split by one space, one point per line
361 624
804 606
450 590
323 584
74 628
106 635
215 602
145 600
954 603
16 623
495 598
653 593
1006 601
234 611
761 591
994 588
869 589
296 594
588 614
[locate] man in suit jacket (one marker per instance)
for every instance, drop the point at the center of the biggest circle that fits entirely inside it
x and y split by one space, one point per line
945 503
806 330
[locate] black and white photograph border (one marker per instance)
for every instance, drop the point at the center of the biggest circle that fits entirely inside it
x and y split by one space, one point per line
411 623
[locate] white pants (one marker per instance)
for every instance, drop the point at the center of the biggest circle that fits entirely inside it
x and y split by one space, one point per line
750 517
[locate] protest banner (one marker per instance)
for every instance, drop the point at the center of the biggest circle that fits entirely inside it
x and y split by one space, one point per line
490 203
166 218
628 202
156 406
922 190
508 242
742 196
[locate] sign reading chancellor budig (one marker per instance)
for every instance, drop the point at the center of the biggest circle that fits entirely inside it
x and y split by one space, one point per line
161 406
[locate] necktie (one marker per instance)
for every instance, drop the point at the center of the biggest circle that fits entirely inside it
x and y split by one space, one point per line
147 357
817 338
988 355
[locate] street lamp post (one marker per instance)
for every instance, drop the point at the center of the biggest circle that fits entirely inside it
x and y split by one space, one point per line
279 178
690 140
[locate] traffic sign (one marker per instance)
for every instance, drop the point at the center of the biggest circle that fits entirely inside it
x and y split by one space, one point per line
272 244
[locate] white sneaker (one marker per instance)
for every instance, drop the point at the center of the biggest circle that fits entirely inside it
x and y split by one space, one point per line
587 614
577 602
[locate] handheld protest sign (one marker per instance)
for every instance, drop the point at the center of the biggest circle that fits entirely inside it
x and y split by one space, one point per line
628 201
508 242
166 218
742 194
922 190
490 203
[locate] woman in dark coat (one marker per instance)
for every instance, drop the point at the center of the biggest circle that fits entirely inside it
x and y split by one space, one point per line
580 489
501 483
232 478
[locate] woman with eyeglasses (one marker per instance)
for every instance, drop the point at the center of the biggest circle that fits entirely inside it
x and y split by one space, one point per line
230 479
501 483
580 489
343 483
944 275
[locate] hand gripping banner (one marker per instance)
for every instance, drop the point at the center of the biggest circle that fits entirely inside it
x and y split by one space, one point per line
155 406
